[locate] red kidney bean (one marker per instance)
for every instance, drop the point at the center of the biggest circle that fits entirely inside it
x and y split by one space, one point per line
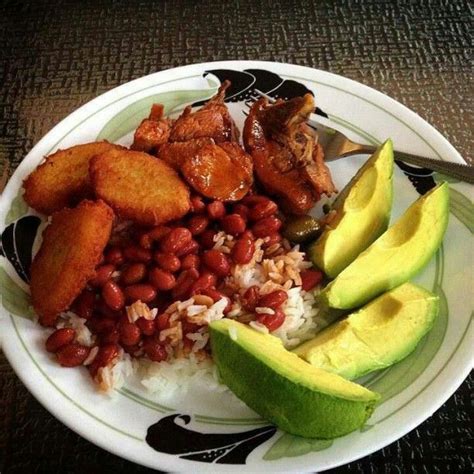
175 240
107 353
184 283
272 239
248 234
153 235
217 262
167 261
162 321
207 238
99 325
310 279
272 321
84 304
191 247
133 273
114 256
113 295
189 327
242 251
161 279
206 280
154 350
134 351
241 210
102 275
140 291
250 298
110 337
72 355
147 326
129 334
134 253
198 224
273 300
187 345
190 261
253 199
233 224
217 296
215 210
263 209
266 226
60 338
104 309
197 205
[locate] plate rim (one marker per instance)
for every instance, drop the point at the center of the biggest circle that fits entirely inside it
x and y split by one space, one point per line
72 118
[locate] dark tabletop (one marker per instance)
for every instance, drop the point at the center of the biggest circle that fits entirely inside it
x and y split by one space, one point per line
56 56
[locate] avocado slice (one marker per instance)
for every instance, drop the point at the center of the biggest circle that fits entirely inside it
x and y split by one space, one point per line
294 395
381 333
362 214
396 256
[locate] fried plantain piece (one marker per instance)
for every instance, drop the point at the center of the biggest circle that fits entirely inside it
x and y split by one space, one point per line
71 249
139 186
219 171
62 180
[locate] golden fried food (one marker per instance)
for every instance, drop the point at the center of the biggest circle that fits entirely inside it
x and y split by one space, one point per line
153 131
71 249
139 187
62 180
219 171
288 161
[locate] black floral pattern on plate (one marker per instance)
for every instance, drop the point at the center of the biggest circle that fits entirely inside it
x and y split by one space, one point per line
17 244
421 178
244 83
167 436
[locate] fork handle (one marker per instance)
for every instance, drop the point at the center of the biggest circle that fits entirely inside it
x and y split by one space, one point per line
456 170
448 168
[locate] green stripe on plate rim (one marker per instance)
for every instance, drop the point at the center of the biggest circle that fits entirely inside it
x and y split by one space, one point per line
145 402
78 405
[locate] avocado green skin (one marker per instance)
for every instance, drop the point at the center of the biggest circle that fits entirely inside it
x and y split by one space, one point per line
378 335
291 406
396 256
362 214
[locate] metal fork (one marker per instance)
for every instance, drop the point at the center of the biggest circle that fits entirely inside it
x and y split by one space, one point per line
336 145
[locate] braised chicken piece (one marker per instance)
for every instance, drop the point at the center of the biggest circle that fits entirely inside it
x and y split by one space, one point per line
287 159
203 147
213 120
219 171
153 131
176 153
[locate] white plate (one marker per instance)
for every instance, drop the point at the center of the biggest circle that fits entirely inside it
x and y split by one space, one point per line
412 390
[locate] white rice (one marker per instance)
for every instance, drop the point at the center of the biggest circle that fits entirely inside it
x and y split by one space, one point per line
114 375
299 324
178 375
259 327
69 319
233 333
277 268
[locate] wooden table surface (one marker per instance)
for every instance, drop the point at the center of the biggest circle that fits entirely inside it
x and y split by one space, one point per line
56 56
